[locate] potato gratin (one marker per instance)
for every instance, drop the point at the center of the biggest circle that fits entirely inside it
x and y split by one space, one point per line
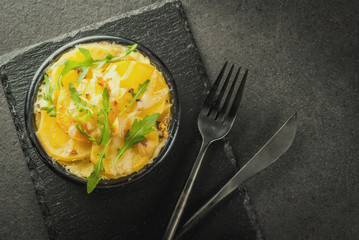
103 111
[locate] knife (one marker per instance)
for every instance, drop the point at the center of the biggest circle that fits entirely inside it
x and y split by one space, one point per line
267 155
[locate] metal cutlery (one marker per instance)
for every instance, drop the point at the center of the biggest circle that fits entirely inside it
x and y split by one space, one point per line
214 122
267 155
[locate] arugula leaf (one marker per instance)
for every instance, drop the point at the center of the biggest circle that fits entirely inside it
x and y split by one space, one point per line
106 100
110 58
82 102
51 110
136 134
84 132
141 89
89 62
79 119
105 109
95 175
81 106
84 66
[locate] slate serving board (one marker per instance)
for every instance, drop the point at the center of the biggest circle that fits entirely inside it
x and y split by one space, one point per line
140 210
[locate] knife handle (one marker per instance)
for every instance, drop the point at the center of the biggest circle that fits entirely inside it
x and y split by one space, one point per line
246 172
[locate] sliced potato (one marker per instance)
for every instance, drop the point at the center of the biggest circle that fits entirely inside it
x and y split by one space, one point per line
128 75
147 147
97 51
81 168
37 119
64 120
132 160
66 108
110 154
58 144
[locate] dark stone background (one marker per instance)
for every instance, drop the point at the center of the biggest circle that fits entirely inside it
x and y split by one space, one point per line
302 55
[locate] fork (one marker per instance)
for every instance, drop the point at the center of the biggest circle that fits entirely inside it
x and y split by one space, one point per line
214 122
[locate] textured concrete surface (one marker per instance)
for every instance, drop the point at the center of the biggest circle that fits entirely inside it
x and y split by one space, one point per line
302 55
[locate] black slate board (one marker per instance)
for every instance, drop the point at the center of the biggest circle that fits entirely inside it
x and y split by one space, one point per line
142 209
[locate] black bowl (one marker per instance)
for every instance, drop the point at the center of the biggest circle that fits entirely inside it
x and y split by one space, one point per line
58 168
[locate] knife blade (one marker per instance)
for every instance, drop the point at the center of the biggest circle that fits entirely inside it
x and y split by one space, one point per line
267 155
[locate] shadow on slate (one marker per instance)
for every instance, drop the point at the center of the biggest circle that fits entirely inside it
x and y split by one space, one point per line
142 209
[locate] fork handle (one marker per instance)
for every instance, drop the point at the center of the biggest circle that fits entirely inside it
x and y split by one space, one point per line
181 203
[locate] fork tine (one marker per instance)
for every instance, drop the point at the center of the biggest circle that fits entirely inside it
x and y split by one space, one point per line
227 104
213 92
217 102
237 100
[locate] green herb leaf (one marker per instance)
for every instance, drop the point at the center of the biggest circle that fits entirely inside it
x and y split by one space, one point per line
106 100
137 134
87 54
105 109
84 71
82 102
130 48
89 62
84 132
95 175
141 89
51 110
79 119
81 105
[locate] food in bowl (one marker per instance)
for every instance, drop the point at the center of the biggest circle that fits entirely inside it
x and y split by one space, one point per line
103 111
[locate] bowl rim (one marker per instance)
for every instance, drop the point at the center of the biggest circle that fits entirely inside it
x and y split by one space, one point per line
58 168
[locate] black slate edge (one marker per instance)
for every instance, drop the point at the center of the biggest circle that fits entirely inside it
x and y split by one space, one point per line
35 176
37 180
201 69
247 201
251 213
